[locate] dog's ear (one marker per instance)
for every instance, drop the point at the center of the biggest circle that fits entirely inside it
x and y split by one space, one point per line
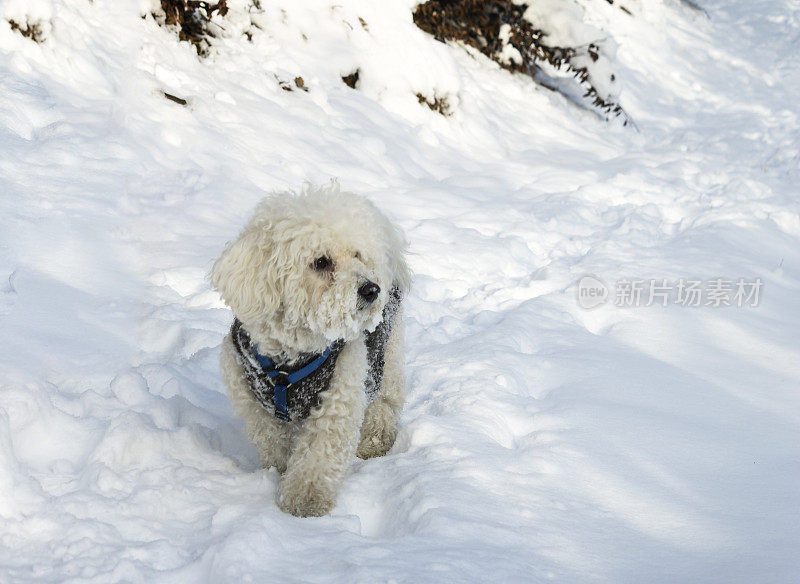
241 275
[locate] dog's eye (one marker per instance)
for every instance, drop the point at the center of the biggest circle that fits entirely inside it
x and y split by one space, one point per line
357 255
322 263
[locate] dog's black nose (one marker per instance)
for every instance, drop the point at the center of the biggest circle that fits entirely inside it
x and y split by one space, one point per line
369 291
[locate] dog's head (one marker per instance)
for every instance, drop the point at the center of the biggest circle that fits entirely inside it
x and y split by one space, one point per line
311 268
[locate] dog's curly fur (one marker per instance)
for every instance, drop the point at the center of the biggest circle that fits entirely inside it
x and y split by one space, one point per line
268 278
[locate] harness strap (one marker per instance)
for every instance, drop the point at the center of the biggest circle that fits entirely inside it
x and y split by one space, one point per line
281 380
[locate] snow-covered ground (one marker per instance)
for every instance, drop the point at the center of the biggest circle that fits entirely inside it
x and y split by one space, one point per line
541 441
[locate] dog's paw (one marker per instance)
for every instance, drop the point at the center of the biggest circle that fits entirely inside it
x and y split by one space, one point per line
304 499
378 432
378 444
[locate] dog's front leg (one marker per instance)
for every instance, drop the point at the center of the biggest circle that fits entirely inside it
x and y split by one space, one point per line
270 436
382 417
326 441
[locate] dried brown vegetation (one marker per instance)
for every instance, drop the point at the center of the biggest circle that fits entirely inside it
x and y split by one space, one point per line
29 30
620 6
438 104
192 19
299 83
175 98
477 23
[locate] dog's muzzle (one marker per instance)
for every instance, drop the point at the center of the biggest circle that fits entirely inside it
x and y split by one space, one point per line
368 292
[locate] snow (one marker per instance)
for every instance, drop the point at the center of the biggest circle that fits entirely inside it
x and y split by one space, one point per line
541 441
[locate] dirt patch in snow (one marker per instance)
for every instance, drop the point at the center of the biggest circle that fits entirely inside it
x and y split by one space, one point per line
352 79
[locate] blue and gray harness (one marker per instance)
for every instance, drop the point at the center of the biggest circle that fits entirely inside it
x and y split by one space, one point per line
288 390
281 380
291 391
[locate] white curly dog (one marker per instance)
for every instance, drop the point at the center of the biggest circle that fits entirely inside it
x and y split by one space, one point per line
314 360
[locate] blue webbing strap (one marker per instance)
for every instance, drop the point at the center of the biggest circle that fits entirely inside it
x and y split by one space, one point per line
310 368
280 393
279 398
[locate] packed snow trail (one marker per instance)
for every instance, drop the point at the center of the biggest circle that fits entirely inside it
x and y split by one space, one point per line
541 441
